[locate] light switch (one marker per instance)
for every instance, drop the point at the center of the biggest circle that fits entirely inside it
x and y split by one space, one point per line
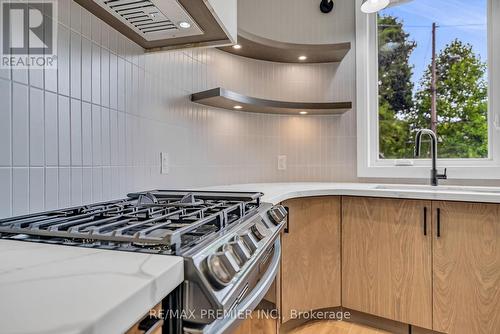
281 162
165 163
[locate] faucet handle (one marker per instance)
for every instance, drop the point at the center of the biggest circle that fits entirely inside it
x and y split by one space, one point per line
442 176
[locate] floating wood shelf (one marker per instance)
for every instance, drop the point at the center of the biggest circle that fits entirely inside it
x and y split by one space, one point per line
226 99
261 48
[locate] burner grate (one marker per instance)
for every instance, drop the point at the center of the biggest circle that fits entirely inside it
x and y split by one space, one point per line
162 219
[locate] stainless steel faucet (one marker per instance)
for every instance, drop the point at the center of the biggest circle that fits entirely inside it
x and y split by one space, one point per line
418 140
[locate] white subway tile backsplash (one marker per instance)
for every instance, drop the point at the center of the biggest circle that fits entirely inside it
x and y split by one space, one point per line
50 76
36 78
63 59
93 128
36 189
51 188
51 130
64 133
5 123
5 73
86 22
105 72
76 186
76 65
105 142
20 125
5 192
96 29
121 84
64 184
97 184
76 20
113 81
20 75
86 70
95 135
86 134
113 135
76 132
36 127
63 10
96 74
86 185
20 190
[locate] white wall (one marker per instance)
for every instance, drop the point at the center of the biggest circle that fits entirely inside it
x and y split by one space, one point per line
297 21
93 129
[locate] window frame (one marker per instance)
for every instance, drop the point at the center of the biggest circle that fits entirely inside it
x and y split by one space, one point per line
368 162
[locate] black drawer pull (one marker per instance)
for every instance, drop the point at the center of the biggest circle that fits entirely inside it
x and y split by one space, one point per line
287 227
425 220
438 223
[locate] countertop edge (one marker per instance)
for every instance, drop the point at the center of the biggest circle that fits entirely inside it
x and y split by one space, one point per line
139 303
278 192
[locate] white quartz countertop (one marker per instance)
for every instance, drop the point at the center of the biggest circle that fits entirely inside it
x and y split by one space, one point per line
62 289
277 192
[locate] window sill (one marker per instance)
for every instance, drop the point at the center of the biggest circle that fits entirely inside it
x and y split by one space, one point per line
484 171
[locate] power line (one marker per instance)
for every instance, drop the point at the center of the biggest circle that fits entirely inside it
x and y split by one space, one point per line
427 26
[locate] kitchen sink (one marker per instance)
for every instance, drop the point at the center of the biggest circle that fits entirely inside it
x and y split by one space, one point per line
461 189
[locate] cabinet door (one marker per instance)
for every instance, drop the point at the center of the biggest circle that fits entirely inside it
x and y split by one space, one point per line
386 258
310 267
466 268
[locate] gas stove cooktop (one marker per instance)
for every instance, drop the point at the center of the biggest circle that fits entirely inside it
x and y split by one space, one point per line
229 241
159 221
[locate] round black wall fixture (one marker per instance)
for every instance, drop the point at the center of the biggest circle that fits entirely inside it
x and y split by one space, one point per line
326 6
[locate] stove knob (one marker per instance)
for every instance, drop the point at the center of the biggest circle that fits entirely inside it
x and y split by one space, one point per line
250 241
277 214
222 268
239 250
259 231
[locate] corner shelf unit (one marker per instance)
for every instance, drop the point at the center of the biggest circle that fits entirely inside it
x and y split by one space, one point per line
261 48
226 99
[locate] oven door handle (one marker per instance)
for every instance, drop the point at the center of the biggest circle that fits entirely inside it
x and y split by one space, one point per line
252 299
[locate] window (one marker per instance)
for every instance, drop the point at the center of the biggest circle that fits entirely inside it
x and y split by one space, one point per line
398 91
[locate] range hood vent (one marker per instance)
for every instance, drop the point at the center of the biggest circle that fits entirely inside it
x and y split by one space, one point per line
153 19
158 25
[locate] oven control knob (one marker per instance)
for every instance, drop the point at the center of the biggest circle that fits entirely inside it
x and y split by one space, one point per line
221 268
259 231
277 214
239 250
250 241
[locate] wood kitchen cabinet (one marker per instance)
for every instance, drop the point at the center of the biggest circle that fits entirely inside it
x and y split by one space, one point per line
386 258
466 267
310 267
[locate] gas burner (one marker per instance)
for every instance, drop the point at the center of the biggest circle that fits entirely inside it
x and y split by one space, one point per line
152 219
229 240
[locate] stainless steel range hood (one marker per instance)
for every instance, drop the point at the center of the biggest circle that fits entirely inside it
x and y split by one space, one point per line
169 24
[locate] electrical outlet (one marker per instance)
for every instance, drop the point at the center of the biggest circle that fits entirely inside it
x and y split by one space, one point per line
165 163
281 162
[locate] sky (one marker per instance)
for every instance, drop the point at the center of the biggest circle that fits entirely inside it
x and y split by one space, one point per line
462 19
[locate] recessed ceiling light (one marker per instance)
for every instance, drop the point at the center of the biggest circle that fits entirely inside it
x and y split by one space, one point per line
184 24
302 57
303 112
238 107
236 46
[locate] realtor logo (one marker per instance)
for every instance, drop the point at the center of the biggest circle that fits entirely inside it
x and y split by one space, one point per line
28 36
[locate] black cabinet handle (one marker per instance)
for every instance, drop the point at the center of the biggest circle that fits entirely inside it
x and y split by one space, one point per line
287 227
425 220
438 222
